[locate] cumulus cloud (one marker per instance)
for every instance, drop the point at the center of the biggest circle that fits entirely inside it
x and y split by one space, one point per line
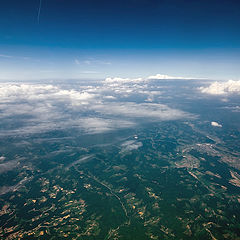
10 92
163 76
215 124
75 97
221 88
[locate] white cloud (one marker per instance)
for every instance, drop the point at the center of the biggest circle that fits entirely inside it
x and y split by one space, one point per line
220 88
44 105
75 96
215 124
9 92
110 97
13 91
163 76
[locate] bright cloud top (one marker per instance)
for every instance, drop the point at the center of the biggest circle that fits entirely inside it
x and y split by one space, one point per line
219 88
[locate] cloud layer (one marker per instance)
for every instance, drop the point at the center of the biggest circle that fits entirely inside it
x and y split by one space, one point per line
117 103
151 111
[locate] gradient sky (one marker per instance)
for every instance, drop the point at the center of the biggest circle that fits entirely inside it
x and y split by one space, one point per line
126 38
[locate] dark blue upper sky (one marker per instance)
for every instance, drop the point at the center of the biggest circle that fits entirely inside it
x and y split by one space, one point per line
68 26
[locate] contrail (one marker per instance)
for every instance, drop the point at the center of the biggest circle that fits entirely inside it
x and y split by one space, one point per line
39 10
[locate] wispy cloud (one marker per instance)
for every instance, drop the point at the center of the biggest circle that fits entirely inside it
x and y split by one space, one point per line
88 62
150 111
5 56
93 125
15 57
130 145
77 61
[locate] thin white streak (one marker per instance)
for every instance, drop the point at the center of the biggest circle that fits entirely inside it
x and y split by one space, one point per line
39 10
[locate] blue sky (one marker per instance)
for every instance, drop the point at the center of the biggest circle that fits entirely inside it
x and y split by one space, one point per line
126 38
